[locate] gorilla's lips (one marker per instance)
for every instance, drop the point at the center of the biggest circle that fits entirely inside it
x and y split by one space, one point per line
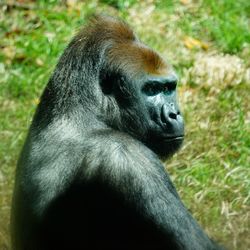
174 138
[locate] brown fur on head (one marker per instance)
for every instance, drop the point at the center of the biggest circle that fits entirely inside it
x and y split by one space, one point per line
135 57
124 50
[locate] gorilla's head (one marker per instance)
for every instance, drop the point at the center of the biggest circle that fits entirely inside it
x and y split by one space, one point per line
121 82
140 95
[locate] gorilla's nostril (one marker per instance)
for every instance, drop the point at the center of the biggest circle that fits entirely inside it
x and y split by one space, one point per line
167 115
172 115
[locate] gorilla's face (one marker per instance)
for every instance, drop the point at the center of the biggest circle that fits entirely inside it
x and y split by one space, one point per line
141 90
148 109
166 126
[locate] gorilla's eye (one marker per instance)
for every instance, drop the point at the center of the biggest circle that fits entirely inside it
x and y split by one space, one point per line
155 88
152 89
167 89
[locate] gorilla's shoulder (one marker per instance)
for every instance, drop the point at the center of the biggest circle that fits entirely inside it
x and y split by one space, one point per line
110 150
112 141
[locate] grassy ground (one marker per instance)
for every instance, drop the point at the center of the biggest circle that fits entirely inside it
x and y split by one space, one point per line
208 43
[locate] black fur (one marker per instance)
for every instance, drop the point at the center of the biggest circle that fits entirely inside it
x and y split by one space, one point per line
89 176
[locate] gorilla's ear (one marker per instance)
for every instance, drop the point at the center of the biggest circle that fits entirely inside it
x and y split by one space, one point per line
109 81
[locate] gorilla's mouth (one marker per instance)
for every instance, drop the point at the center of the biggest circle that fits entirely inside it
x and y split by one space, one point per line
174 138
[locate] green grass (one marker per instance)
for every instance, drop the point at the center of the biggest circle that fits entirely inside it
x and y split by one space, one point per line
226 22
211 171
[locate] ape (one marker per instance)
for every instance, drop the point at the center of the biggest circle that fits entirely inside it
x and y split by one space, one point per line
90 175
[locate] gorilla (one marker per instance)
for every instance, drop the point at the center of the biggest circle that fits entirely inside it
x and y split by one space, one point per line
90 174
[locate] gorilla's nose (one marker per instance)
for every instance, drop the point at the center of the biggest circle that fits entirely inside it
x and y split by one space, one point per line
172 120
169 113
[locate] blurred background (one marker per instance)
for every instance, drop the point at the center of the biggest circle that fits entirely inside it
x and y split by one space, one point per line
208 42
